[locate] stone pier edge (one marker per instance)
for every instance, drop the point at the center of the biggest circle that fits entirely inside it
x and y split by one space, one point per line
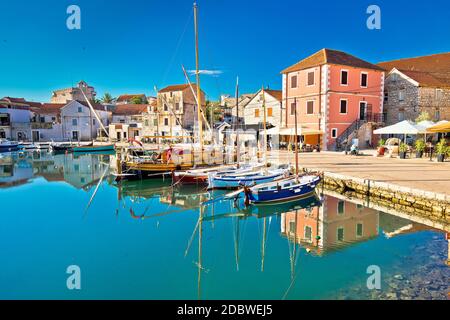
435 206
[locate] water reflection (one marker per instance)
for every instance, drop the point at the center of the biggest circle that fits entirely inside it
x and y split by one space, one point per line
80 171
333 226
289 242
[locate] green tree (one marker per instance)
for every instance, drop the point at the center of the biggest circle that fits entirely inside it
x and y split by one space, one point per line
423 116
107 98
137 100
214 108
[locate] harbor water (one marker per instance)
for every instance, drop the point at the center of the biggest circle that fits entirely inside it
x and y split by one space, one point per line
148 240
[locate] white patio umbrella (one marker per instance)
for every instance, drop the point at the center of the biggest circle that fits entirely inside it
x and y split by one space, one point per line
404 127
423 127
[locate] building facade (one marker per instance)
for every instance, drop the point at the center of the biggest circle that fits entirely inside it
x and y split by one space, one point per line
254 110
177 110
69 94
80 124
128 121
417 85
15 117
46 122
331 92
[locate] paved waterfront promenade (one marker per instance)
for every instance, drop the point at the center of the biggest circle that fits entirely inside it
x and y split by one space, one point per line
412 173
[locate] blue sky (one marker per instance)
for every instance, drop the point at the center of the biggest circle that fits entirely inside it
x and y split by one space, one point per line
131 46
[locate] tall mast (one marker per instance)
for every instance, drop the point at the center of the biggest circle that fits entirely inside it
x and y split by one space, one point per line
296 138
197 76
265 126
200 267
238 149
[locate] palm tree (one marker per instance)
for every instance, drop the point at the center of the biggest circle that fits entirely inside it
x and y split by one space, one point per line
107 98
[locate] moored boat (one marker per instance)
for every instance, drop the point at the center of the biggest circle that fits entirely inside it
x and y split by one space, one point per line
201 176
8 146
237 180
93 148
285 190
61 148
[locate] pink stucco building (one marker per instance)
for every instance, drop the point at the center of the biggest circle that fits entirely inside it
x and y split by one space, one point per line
335 94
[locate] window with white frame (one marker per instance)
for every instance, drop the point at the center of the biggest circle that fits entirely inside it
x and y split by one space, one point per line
340 234
293 106
359 230
341 207
308 233
364 79
294 81
74 122
344 77
310 107
401 95
334 133
343 106
310 78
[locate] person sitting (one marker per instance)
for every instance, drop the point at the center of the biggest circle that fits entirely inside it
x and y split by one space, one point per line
354 150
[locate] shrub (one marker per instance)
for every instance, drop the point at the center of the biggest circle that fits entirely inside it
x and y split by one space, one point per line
441 147
420 145
403 147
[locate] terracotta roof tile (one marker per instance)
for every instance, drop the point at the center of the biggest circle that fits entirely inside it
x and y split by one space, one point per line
130 109
329 56
432 70
277 94
126 97
177 87
49 108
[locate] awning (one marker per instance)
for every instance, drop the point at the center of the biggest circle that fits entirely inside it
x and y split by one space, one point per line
440 127
424 125
404 127
301 131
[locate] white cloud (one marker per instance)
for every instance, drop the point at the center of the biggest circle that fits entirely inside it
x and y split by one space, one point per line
213 73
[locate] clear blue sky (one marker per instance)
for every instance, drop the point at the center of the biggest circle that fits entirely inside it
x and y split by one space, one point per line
131 46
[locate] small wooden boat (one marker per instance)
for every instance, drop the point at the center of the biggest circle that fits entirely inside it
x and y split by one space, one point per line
285 190
26 146
201 176
61 148
261 211
93 148
8 146
237 180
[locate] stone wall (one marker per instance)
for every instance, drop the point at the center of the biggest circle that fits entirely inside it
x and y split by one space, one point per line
433 206
436 102
397 110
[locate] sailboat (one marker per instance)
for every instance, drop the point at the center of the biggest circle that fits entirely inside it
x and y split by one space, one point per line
164 163
251 178
290 189
92 147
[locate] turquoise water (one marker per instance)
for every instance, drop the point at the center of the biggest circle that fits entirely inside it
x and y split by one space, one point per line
145 240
